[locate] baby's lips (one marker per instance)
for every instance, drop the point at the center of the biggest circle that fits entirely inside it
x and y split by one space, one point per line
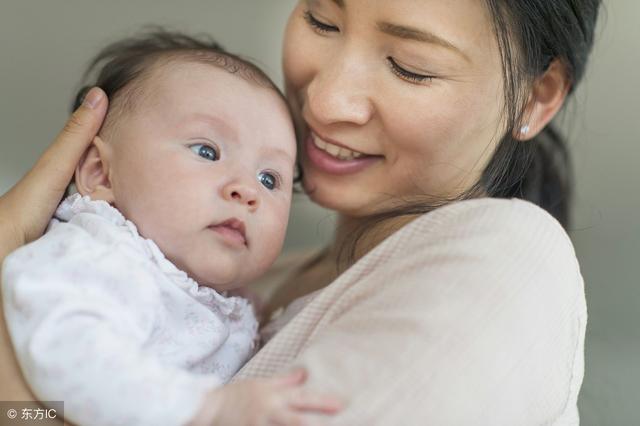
233 230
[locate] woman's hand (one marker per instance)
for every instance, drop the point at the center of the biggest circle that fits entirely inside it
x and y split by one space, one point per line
262 402
27 208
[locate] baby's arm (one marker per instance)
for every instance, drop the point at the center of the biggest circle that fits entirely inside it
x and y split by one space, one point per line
77 341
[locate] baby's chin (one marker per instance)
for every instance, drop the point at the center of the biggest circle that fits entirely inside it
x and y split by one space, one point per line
221 272
220 276
224 279
217 280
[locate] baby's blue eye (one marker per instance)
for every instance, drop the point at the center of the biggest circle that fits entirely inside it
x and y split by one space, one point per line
205 151
269 180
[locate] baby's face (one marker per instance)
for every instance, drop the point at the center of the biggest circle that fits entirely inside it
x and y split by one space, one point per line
204 167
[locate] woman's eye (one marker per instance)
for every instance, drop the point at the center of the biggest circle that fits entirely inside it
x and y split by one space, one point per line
268 180
406 74
319 25
205 151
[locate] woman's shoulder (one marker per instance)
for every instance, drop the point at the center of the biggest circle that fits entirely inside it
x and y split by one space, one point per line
491 243
498 213
505 223
487 289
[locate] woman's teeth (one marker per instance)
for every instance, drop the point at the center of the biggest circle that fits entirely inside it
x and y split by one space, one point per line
334 150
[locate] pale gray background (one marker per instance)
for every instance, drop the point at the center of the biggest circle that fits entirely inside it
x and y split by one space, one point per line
44 46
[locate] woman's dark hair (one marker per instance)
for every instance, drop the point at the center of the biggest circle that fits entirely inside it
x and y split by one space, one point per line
121 67
531 34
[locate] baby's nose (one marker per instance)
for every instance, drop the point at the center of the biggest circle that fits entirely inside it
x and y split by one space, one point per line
242 193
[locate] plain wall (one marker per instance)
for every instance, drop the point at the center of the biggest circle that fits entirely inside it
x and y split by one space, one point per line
45 45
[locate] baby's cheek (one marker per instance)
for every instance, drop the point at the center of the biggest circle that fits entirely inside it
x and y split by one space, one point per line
271 240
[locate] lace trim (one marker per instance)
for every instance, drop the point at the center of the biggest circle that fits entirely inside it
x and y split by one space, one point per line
232 306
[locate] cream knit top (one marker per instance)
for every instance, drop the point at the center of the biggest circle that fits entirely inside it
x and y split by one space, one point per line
473 314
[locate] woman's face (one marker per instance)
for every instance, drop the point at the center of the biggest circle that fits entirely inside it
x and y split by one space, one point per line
395 99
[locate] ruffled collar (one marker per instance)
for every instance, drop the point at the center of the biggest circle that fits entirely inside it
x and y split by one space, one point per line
75 204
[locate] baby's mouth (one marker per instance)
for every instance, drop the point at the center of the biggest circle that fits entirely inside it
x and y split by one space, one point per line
233 231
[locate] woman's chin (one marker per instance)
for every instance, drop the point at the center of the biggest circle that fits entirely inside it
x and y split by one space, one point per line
343 200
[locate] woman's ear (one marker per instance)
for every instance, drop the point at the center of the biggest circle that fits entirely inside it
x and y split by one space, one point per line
547 97
92 176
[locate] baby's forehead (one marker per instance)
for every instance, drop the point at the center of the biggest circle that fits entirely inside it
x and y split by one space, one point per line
179 68
200 88
194 95
168 81
175 68
186 85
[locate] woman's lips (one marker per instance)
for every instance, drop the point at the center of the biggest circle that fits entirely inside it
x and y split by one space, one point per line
327 163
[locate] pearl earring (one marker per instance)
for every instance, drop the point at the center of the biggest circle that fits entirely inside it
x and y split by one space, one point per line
524 130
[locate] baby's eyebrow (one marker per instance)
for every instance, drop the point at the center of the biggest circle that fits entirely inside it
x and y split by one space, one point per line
285 155
222 127
279 154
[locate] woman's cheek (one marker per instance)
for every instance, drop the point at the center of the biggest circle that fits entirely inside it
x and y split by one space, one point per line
295 73
300 52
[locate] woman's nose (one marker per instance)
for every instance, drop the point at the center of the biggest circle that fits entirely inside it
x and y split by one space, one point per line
340 92
243 193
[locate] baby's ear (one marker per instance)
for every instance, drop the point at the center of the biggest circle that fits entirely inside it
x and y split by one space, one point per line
92 172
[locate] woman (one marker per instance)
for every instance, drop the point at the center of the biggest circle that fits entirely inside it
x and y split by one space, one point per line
437 302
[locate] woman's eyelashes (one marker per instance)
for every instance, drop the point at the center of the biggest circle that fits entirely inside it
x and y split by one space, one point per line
323 28
406 74
205 151
318 25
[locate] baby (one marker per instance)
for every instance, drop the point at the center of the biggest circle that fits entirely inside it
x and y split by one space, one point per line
121 309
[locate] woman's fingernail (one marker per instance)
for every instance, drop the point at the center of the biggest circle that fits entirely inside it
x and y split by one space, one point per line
92 98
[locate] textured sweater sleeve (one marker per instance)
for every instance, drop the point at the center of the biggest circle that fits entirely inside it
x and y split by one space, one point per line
79 315
475 316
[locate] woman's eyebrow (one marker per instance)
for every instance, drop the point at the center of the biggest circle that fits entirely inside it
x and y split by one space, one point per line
410 33
339 3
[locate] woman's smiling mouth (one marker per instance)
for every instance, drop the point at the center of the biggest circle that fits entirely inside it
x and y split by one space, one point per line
335 159
336 151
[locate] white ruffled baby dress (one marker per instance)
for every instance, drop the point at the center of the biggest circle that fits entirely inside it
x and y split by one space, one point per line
101 320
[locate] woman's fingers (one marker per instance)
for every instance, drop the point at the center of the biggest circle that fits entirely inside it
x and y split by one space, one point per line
31 202
289 419
307 401
59 161
302 400
294 378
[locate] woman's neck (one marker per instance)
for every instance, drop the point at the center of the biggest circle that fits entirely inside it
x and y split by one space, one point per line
325 267
356 236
